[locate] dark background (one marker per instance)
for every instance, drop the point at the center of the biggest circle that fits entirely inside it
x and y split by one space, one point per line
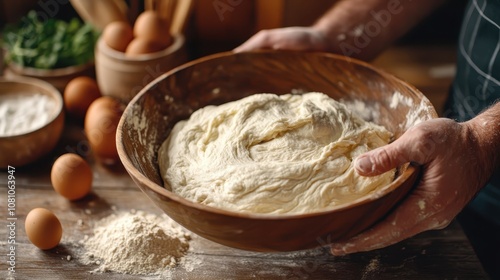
442 27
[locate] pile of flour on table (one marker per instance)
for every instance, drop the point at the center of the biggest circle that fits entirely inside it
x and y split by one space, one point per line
136 243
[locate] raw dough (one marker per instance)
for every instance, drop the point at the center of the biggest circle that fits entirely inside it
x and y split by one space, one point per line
272 154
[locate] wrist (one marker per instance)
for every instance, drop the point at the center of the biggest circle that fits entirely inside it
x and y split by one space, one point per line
327 37
364 28
353 30
484 129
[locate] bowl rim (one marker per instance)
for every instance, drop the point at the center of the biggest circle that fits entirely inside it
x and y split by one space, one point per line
50 89
160 190
49 73
177 44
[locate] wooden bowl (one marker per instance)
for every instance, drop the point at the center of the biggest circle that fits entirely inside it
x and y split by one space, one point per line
123 77
221 78
59 77
24 148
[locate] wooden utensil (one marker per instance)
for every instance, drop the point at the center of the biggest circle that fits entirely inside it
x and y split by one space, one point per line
101 12
181 16
166 9
177 12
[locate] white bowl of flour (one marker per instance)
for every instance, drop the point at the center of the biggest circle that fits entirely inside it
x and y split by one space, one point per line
31 120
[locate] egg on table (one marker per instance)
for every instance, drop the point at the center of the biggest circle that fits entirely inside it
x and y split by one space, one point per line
79 94
43 228
71 176
100 126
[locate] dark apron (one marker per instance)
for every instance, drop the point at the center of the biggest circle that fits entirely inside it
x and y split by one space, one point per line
477 84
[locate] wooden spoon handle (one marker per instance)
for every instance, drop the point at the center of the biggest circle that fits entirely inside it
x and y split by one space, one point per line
181 16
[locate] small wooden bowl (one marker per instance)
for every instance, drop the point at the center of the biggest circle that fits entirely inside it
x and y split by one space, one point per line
123 77
221 78
21 149
59 78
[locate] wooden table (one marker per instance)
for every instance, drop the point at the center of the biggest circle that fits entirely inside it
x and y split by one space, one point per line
444 254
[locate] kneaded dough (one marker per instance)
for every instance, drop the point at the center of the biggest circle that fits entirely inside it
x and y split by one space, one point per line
272 154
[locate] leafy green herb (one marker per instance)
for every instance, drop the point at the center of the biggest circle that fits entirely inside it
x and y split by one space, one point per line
49 44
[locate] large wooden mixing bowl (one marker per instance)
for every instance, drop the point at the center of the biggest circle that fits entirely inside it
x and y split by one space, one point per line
221 78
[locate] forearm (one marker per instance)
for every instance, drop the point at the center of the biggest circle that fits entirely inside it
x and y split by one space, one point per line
364 28
486 128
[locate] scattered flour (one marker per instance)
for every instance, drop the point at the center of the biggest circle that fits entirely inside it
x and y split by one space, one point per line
421 204
397 99
24 112
372 268
136 243
416 113
369 112
358 30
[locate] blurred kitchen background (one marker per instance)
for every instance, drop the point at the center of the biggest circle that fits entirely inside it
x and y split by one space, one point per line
424 57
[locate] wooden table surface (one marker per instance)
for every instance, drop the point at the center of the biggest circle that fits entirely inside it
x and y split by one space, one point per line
443 254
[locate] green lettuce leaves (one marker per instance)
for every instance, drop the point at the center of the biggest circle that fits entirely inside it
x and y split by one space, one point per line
49 44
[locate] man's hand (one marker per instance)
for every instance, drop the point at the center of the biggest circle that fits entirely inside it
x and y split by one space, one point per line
343 24
453 167
290 38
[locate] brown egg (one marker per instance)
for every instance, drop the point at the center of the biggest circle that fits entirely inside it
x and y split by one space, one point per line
150 26
79 94
71 176
43 228
117 35
140 46
100 126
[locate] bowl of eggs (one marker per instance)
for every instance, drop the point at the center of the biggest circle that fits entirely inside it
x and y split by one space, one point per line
31 120
283 100
128 57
